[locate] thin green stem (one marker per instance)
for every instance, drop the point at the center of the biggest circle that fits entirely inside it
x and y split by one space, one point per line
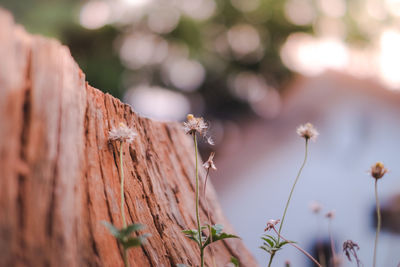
197 201
126 263
291 191
378 225
122 186
270 259
290 196
208 216
202 257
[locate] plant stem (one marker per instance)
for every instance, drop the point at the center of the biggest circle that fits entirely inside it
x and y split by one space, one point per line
208 216
270 259
126 263
125 254
299 248
332 244
378 226
291 191
290 196
122 186
202 256
197 202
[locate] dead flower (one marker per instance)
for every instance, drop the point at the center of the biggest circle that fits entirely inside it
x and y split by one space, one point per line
350 249
209 164
378 170
122 133
271 224
307 131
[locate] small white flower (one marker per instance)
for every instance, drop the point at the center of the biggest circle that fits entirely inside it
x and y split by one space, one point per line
195 125
209 164
271 224
123 133
307 131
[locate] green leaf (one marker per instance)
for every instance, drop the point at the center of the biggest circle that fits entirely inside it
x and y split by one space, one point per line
235 261
272 238
284 243
192 234
217 234
270 243
113 230
135 241
125 232
132 242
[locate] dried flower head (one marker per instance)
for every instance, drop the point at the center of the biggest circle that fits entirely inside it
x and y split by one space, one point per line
307 131
350 249
315 207
271 224
195 125
330 214
209 164
287 263
122 133
378 170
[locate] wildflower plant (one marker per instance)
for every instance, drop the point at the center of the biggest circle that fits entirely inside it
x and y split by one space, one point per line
124 134
272 245
198 127
377 171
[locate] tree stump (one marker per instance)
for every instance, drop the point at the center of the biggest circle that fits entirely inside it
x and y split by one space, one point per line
59 174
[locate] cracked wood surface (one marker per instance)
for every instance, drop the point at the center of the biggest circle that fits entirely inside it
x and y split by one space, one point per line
59 174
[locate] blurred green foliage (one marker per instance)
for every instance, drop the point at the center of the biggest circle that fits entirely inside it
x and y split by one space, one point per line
96 51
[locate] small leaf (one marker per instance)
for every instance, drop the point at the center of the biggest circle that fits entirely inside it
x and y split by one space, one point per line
217 234
272 238
270 243
132 242
113 230
235 261
135 241
267 249
125 232
192 234
284 243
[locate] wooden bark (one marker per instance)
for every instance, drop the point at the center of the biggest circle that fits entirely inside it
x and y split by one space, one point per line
59 175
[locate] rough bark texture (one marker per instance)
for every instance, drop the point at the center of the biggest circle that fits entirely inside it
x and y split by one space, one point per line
59 175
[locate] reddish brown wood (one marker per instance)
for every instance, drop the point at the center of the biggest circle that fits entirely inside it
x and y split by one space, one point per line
59 174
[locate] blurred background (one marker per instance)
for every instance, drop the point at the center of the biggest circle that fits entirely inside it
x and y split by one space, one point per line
256 69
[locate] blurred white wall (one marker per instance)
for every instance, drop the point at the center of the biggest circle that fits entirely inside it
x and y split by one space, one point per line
359 124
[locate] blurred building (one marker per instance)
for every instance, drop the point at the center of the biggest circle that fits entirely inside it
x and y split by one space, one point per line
359 124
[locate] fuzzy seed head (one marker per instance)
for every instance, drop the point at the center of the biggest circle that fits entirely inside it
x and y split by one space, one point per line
122 133
209 164
378 170
307 131
195 125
